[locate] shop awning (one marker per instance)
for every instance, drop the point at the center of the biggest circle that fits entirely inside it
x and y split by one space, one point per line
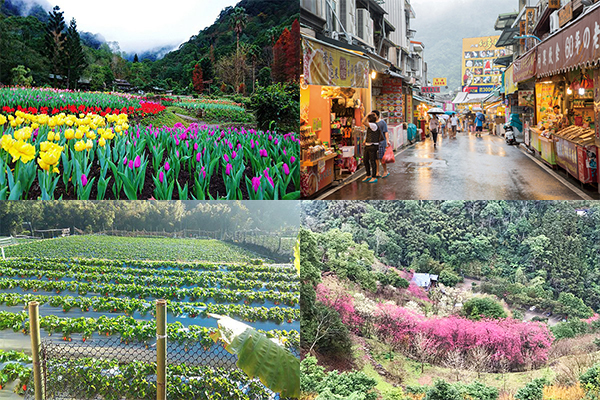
493 96
572 47
505 20
524 67
507 38
506 60
378 64
494 105
464 98
424 100
327 65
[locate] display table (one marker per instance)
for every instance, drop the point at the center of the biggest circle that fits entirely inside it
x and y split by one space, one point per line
316 175
535 140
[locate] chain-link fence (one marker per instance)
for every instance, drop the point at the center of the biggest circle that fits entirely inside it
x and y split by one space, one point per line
99 367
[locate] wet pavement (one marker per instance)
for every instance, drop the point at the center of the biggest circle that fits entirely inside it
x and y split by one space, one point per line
465 168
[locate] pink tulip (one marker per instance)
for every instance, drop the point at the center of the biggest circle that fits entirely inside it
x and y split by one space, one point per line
167 166
138 162
228 169
84 180
130 164
233 155
226 158
203 172
195 146
256 184
198 157
286 169
292 160
161 177
263 153
125 161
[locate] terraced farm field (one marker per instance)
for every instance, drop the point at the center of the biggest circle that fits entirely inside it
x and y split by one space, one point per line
98 291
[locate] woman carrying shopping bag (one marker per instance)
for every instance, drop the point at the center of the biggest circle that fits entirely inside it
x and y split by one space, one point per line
371 146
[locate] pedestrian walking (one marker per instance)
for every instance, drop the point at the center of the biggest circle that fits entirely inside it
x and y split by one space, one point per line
454 124
371 145
434 125
479 120
385 143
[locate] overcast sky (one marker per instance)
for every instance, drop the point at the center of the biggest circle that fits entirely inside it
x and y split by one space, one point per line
143 24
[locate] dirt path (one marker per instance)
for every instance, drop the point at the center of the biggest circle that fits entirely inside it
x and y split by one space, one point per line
194 120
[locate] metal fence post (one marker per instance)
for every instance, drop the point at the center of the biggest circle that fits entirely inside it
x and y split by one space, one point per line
34 333
161 350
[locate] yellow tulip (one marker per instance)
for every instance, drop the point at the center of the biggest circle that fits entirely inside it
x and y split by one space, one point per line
101 142
2 120
49 159
80 145
45 146
78 134
23 133
56 170
23 151
69 134
7 141
91 135
89 144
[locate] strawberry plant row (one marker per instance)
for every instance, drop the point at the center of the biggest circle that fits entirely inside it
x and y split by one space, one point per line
128 329
145 292
219 280
129 306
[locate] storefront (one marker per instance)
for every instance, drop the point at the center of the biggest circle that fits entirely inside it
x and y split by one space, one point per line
568 98
391 97
524 70
335 83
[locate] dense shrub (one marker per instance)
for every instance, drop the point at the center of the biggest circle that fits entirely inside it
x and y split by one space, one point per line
483 307
532 391
590 380
335 385
570 329
449 278
574 306
277 107
442 390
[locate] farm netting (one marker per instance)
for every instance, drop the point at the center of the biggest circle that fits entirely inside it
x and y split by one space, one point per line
111 369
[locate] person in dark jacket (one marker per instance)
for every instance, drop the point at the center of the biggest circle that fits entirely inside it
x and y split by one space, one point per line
371 146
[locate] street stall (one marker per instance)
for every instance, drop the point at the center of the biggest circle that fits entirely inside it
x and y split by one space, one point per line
389 97
567 96
334 85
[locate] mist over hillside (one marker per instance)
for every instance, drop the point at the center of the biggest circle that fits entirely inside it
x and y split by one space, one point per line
442 24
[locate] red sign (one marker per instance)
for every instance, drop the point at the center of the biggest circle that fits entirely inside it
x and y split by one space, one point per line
431 89
597 103
524 67
588 164
575 46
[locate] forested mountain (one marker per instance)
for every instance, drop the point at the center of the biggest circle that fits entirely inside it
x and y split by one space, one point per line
527 252
215 48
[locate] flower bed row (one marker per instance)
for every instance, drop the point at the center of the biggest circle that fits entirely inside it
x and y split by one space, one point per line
221 111
129 306
145 292
51 102
102 157
128 329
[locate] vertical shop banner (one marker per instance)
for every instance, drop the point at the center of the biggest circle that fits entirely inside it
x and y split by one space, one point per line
578 45
326 65
588 164
545 99
510 85
409 108
391 99
597 104
566 156
480 74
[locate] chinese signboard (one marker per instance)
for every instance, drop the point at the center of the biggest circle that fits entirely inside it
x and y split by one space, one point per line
577 45
597 104
440 82
526 98
480 74
430 89
565 14
330 66
391 99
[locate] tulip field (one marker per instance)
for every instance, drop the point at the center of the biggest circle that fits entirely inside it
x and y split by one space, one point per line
71 145
215 110
90 299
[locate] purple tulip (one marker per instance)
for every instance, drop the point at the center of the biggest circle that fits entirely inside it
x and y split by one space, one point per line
167 166
228 169
239 146
286 169
263 153
233 155
276 141
130 164
161 177
256 184
226 158
198 157
270 180
270 137
284 152
252 143
84 180
195 146
292 160
138 162
125 161
203 172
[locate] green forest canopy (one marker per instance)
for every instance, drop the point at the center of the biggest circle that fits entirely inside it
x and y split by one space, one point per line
532 251
22 43
149 215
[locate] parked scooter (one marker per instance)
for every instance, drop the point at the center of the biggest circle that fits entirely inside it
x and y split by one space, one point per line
509 135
